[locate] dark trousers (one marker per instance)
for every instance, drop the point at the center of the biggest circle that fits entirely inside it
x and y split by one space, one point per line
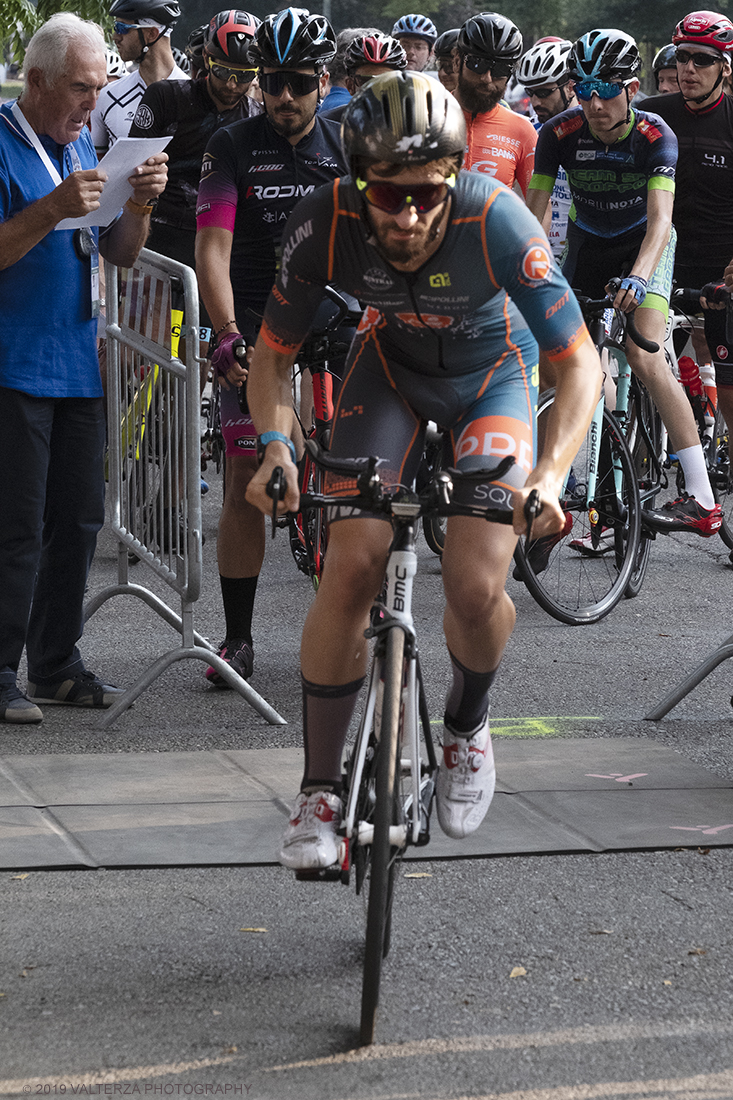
51 509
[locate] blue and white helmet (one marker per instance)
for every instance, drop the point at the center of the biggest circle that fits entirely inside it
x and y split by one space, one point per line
604 54
418 26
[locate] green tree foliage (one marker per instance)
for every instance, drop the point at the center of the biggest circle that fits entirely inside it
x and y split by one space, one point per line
19 19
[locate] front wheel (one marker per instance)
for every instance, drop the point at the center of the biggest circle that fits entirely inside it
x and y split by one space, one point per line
579 575
384 854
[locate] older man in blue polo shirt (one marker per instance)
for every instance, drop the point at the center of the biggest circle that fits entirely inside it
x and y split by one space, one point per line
51 410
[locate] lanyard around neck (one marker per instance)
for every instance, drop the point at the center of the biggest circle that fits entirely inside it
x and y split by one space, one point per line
33 138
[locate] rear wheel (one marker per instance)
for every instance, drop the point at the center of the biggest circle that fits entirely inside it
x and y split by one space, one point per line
581 574
384 855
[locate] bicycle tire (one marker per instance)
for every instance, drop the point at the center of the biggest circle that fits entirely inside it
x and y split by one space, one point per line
387 812
719 469
309 528
644 442
574 588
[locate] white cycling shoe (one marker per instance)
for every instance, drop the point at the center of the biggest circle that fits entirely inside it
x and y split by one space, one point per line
466 781
310 840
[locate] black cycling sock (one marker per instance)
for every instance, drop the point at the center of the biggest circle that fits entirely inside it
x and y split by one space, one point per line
327 711
238 594
468 698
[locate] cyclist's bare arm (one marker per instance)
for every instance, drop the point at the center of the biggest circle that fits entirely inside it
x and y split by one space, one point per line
213 253
578 388
659 205
270 399
538 201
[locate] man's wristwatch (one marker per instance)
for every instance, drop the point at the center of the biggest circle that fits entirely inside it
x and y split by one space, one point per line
272 437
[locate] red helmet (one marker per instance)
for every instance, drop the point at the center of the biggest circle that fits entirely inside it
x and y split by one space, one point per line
374 49
705 28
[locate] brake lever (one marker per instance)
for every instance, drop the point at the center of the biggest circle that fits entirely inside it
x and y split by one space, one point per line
276 488
532 508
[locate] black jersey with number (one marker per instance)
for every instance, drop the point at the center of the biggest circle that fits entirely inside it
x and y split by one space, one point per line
184 109
703 203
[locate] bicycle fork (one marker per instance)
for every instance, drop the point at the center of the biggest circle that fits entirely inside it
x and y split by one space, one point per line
392 612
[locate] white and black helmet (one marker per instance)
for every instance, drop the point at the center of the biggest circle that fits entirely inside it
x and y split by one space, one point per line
404 118
544 64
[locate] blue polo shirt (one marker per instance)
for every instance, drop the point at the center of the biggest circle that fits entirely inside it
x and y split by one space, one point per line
48 345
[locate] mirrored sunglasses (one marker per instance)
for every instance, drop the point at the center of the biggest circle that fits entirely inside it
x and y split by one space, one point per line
483 65
699 60
299 83
540 93
125 28
392 198
585 89
225 73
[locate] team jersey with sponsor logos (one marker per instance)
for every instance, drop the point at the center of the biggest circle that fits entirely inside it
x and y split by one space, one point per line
251 178
501 144
118 101
609 183
484 294
703 201
185 110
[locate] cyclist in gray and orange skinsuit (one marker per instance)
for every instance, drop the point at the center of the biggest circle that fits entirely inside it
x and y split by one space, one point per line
444 262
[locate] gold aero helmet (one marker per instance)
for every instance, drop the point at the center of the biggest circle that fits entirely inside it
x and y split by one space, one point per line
403 118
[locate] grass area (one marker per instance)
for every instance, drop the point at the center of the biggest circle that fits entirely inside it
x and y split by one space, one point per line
11 89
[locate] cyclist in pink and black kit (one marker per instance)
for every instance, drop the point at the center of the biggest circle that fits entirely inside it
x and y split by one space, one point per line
253 174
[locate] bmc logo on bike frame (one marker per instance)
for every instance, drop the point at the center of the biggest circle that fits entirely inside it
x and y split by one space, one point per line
497 436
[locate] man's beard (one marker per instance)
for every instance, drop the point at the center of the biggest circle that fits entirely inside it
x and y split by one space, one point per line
292 125
404 252
474 99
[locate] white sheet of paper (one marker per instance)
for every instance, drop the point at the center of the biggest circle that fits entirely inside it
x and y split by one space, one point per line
118 163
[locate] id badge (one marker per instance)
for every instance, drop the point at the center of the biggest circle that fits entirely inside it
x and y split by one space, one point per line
96 299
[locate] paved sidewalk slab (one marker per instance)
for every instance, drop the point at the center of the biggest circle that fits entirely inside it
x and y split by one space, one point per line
228 807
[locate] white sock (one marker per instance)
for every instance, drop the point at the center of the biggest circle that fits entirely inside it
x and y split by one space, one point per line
697 483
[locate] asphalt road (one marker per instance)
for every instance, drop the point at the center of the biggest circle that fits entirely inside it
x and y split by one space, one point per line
141 982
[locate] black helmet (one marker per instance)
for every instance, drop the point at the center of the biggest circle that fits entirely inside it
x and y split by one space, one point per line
293 38
602 55
165 12
490 35
374 49
404 118
665 58
447 43
229 36
195 47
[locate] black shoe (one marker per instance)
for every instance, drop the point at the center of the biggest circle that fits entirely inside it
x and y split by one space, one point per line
538 556
83 689
237 653
684 514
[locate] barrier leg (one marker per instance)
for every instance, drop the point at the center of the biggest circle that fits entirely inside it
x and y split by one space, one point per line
722 653
158 667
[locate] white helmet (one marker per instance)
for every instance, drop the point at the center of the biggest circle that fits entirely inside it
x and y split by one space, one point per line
116 67
544 63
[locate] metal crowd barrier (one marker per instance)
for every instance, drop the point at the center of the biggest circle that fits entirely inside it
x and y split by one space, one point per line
154 456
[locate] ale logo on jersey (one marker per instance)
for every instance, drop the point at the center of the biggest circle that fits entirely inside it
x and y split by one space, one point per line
536 265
